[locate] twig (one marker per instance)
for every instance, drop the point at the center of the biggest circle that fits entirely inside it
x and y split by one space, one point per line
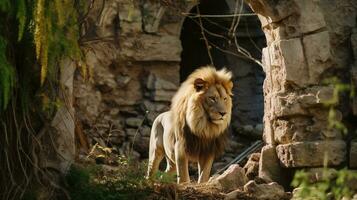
204 37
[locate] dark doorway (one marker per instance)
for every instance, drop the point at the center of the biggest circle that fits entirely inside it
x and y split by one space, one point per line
248 101
195 52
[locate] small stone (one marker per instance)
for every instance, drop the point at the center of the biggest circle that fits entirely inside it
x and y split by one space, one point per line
231 179
133 122
270 191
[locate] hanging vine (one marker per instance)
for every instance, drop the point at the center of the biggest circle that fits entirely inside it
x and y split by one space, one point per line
35 35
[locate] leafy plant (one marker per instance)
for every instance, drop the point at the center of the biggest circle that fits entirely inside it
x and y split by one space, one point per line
335 186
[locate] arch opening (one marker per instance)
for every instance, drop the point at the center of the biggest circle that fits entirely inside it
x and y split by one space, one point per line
217 25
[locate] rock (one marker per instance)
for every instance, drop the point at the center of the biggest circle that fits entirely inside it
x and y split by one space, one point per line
145 131
311 17
162 95
122 80
353 155
133 122
312 154
231 179
252 166
131 132
269 168
292 56
141 145
152 14
157 83
148 106
148 47
238 194
317 51
270 191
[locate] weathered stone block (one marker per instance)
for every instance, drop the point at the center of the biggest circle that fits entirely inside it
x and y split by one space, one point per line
353 155
311 17
133 121
270 191
157 83
130 17
152 13
269 168
289 55
318 53
153 48
312 154
162 95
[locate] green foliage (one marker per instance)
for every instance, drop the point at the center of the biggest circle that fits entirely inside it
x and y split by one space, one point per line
338 89
96 183
335 186
52 27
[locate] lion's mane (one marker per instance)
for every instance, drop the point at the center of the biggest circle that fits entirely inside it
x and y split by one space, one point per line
200 135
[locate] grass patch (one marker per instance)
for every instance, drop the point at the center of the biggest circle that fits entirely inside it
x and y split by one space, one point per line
126 181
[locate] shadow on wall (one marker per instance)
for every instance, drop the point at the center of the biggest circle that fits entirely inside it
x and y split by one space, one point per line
248 76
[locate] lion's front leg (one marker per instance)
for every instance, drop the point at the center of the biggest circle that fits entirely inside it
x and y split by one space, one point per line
181 163
204 168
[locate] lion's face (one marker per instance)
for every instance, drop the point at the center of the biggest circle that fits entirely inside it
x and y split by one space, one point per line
217 103
209 108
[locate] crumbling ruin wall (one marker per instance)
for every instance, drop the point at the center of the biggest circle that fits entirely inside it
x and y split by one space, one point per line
307 43
133 49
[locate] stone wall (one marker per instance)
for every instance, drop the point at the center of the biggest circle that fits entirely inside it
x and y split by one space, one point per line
133 50
307 43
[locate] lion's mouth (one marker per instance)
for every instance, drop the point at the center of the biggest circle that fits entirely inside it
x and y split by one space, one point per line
217 120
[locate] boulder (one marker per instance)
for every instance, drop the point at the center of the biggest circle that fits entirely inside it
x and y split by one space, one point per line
312 154
270 191
231 179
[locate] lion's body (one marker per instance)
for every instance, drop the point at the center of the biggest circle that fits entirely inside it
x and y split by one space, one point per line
194 128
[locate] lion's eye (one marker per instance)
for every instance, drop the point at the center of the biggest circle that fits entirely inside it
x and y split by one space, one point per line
225 98
213 99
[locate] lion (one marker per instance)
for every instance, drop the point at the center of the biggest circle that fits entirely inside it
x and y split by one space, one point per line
194 129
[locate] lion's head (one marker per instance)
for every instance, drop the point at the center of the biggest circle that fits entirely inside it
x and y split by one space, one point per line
204 103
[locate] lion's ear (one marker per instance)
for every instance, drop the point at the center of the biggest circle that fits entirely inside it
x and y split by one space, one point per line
199 84
229 87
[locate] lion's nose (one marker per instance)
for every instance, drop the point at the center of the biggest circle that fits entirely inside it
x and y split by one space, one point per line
222 113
